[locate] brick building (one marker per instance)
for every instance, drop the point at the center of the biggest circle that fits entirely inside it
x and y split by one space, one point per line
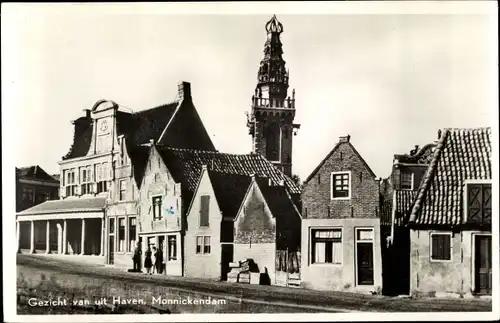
34 186
450 221
341 248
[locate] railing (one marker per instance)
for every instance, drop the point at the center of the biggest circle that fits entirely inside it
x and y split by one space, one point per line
273 103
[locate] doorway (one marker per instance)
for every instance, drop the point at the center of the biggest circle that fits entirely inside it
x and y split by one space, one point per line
364 256
482 264
226 258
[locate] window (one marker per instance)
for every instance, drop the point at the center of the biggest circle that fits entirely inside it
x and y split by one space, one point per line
406 181
111 225
121 234
203 245
132 232
440 246
327 246
101 171
157 208
28 196
172 248
86 180
273 142
341 185
70 183
204 210
479 203
123 190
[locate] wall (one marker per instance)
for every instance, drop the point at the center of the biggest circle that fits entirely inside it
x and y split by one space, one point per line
157 181
455 276
255 233
203 265
339 277
255 223
364 201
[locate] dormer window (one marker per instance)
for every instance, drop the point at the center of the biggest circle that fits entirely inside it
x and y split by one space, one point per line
478 199
341 185
406 181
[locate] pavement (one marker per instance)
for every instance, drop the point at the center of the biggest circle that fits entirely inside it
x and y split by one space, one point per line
299 298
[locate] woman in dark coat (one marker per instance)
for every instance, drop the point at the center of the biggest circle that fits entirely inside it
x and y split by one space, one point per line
147 261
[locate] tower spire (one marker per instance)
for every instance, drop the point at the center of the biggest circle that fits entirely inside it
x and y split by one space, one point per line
271 120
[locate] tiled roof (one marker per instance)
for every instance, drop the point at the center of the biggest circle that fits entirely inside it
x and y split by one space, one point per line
33 172
229 190
185 166
403 202
460 154
277 198
82 137
67 205
139 158
418 156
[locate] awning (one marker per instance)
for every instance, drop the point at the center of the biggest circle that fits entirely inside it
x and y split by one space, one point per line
70 208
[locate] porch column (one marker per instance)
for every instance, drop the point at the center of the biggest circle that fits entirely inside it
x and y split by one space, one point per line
102 237
82 246
18 232
65 235
47 237
32 237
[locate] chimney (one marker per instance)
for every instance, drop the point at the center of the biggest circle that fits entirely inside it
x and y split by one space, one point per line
184 90
344 138
87 113
204 167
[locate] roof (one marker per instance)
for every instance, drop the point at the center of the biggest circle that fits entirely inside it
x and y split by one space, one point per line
460 154
185 165
141 126
57 177
277 199
67 205
229 190
403 203
341 142
417 156
82 137
139 158
34 172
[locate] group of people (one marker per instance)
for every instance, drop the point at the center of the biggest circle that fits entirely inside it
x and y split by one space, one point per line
153 259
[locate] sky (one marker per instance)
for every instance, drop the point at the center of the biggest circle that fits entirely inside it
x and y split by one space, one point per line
390 81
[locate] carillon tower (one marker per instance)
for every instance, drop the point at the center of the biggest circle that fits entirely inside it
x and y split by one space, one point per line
271 120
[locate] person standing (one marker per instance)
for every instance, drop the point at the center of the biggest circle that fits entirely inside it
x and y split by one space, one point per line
154 259
136 258
159 259
148 263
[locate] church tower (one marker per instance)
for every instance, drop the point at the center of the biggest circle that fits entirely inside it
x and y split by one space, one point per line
270 121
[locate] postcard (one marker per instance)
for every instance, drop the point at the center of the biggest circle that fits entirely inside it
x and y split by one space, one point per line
225 161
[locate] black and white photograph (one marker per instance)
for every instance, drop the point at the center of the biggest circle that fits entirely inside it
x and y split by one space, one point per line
249 161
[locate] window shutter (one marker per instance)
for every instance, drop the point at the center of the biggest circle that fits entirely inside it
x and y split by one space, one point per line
486 204
204 207
446 247
474 203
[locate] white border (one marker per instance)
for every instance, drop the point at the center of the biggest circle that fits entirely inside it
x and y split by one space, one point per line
11 10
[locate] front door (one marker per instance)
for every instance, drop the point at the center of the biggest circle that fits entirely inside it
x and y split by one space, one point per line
483 272
365 263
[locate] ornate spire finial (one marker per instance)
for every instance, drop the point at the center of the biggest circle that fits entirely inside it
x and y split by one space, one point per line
274 26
